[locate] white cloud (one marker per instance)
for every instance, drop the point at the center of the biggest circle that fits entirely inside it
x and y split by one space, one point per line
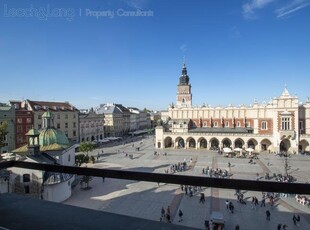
291 8
250 7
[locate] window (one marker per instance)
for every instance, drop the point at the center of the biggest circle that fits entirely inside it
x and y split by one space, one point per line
247 124
26 178
28 120
205 124
19 120
215 124
19 139
227 124
58 116
66 116
74 133
39 117
74 124
66 125
74 116
39 126
238 124
28 127
58 125
19 129
264 125
301 125
285 123
69 157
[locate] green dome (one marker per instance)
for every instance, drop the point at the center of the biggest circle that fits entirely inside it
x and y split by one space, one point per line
47 114
51 136
32 132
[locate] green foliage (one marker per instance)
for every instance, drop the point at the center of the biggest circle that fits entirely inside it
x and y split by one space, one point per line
85 180
86 159
150 131
86 147
3 132
146 110
79 159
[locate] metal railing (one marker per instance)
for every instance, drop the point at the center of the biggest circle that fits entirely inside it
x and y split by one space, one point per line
267 186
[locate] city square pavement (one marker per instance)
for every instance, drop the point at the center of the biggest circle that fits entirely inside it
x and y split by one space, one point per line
145 199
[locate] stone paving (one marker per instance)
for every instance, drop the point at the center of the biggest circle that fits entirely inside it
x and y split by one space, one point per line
145 199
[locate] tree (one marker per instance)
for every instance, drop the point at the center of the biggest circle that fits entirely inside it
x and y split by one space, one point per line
86 147
146 110
3 132
85 180
79 159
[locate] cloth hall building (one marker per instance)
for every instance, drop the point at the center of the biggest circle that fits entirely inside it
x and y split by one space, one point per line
283 124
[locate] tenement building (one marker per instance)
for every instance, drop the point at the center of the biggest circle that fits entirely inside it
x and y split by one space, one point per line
66 118
91 126
282 124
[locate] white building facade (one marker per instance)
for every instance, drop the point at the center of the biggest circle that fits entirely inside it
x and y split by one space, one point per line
282 124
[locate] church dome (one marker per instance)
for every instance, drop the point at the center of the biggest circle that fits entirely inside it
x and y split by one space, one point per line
49 136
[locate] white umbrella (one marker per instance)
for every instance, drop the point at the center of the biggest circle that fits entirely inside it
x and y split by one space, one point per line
249 150
227 150
237 149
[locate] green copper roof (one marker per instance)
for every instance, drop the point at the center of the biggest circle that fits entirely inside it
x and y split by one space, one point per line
33 132
51 136
47 114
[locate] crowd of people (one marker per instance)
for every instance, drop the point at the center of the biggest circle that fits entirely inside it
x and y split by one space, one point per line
218 173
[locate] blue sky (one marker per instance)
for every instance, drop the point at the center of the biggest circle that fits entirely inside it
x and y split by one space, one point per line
235 51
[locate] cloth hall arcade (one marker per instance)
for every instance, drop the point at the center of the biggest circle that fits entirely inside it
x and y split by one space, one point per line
282 124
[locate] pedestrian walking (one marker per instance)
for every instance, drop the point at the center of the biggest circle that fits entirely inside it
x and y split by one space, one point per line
237 227
268 215
168 217
231 207
162 212
294 219
168 210
263 203
298 220
180 215
255 203
227 204
202 198
279 227
103 178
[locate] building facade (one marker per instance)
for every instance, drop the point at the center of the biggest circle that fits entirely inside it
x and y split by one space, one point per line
91 126
113 120
49 146
282 124
23 123
7 115
66 116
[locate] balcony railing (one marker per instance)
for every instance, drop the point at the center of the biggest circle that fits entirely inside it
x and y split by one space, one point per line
280 187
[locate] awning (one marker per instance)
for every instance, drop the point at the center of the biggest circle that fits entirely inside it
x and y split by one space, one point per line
227 150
